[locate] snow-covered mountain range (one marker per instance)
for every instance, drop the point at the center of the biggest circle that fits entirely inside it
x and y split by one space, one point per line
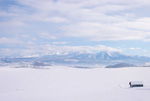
103 57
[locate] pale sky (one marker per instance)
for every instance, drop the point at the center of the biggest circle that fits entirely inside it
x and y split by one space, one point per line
41 27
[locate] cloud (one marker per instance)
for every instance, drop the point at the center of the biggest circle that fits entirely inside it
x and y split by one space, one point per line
41 50
5 40
147 64
52 49
40 10
141 24
48 36
145 50
54 19
11 24
96 20
30 42
59 43
132 48
6 52
101 32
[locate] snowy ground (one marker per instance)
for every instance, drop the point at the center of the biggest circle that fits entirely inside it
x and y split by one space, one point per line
73 84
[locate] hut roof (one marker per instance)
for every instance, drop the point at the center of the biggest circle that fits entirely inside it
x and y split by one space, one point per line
136 82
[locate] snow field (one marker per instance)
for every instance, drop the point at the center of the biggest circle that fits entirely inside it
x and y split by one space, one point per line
72 84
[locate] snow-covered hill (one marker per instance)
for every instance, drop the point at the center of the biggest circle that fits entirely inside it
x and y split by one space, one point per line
60 83
120 65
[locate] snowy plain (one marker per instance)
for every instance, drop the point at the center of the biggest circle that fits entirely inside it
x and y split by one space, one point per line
60 83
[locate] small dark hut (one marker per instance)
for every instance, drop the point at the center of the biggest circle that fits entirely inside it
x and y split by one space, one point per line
136 84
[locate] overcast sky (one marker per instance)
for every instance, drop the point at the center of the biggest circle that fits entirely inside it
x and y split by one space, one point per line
33 27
